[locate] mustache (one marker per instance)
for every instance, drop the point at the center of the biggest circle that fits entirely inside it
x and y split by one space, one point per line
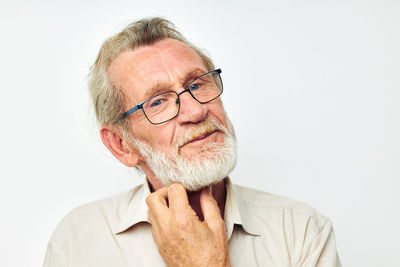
200 129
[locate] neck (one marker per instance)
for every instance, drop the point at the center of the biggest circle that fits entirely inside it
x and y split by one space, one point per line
218 192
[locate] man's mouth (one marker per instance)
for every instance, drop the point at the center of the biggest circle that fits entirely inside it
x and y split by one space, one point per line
200 137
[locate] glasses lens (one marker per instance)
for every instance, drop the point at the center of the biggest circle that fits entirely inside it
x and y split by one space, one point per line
207 87
162 107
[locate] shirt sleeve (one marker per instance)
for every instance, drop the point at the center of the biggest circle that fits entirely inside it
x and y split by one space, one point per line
54 257
58 247
320 250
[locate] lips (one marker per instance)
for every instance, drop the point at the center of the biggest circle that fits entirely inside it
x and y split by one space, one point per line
203 136
199 137
199 132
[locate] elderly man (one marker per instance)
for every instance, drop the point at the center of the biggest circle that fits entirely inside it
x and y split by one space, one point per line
156 97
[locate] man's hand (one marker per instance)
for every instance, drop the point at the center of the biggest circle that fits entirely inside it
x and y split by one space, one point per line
182 239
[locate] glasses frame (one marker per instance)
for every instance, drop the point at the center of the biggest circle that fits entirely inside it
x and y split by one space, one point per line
140 106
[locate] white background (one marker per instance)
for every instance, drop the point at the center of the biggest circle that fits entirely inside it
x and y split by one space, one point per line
312 88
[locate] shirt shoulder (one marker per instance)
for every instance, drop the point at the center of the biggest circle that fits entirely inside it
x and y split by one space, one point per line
101 216
112 207
92 222
266 206
287 229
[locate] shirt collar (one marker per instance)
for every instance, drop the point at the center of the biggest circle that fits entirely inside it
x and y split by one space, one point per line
137 210
236 212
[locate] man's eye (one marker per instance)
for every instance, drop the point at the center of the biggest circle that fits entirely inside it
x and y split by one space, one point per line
194 87
156 103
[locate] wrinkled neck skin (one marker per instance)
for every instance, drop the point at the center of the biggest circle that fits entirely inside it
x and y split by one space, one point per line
218 192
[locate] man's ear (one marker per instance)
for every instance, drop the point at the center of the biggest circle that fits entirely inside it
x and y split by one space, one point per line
121 150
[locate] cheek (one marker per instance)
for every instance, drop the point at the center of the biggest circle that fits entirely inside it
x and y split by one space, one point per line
153 135
160 137
217 112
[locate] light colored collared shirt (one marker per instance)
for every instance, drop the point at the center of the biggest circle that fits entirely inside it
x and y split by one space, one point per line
263 230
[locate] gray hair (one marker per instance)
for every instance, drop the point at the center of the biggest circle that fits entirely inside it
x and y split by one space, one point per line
108 101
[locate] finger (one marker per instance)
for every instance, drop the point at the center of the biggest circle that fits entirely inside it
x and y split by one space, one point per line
158 197
209 207
177 198
157 202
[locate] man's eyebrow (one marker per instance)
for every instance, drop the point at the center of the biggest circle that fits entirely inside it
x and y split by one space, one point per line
160 87
193 74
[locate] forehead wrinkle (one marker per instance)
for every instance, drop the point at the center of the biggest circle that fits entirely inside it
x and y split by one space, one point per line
158 83
184 80
164 55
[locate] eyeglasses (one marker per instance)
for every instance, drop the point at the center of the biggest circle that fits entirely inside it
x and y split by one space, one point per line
165 106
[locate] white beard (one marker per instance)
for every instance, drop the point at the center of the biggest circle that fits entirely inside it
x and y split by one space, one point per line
212 164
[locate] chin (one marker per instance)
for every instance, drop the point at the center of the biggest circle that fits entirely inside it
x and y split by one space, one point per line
191 192
195 185
209 167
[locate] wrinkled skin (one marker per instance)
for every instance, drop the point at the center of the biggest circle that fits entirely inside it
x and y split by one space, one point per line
182 239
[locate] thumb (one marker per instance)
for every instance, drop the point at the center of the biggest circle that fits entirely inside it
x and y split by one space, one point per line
210 209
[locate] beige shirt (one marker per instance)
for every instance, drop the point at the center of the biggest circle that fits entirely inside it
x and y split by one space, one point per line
263 230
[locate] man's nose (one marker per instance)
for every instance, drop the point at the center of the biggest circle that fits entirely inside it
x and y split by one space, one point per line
191 111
